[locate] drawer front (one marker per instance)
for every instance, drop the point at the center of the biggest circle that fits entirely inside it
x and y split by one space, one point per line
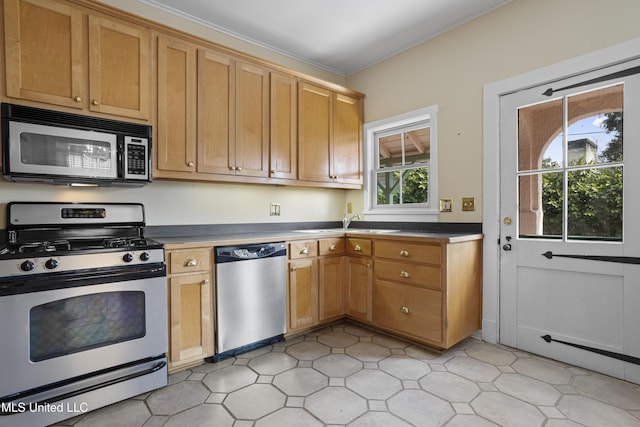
190 261
431 254
303 249
358 246
408 310
333 246
404 272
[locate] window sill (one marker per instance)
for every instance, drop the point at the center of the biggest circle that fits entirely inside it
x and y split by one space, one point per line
402 215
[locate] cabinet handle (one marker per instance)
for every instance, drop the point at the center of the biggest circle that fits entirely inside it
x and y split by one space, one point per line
232 168
294 268
205 282
274 171
404 274
238 168
357 248
78 99
190 164
368 265
304 251
404 309
404 252
332 247
191 263
95 102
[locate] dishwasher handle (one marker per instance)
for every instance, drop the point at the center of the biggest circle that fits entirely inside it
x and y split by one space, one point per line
249 252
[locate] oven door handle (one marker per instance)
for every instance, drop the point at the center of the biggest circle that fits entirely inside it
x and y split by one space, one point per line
88 277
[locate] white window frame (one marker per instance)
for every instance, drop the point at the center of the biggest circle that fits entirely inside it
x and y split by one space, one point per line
428 212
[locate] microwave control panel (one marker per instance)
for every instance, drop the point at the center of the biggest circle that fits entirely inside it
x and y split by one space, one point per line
137 158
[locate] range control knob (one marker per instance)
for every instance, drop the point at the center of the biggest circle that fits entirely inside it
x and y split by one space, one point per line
27 266
51 263
127 257
145 256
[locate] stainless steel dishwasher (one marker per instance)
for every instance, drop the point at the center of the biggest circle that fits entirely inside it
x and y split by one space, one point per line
251 295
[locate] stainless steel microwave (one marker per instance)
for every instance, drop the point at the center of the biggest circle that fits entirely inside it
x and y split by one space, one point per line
61 148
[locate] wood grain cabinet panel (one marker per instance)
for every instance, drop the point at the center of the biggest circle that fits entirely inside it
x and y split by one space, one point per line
283 127
119 68
190 306
44 56
176 127
303 294
359 288
331 301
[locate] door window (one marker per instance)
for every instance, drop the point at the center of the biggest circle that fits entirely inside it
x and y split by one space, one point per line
570 167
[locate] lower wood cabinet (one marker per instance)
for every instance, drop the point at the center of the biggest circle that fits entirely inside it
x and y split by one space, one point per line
331 278
303 294
190 302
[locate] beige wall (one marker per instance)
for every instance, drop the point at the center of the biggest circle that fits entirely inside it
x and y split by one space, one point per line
451 70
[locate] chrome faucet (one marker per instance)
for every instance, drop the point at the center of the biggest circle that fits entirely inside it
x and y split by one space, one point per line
346 221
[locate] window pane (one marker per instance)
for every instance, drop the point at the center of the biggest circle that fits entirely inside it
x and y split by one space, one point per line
540 205
415 185
416 146
595 126
539 130
390 149
595 204
388 188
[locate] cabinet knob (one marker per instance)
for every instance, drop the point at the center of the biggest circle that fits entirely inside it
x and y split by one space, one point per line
190 164
294 268
404 252
404 309
304 251
78 99
232 168
95 102
191 263
404 274
332 248
205 282
368 265
357 248
238 168
274 171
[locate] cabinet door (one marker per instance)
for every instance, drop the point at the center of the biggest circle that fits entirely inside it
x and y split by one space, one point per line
331 290
44 52
359 288
119 68
176 127
303 293
252 120
314 132
347 140
284 127
191 317
216 122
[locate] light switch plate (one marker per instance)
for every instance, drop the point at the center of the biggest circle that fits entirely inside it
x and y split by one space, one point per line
446 205
468 204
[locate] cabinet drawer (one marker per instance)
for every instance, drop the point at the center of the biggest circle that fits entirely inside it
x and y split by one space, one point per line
189 261
431 254
359 246
334 246
404 272
304 249
409 310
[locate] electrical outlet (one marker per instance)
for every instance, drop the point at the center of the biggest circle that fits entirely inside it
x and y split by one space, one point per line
468 204
446 205
274 209
349 207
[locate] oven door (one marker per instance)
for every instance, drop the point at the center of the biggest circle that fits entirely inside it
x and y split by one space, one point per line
56 152
76 327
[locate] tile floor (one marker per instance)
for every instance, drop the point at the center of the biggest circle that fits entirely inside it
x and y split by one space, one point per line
346 375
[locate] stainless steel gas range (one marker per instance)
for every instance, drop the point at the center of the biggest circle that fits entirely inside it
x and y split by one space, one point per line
83 320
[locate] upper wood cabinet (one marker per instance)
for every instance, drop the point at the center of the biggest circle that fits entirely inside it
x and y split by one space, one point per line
330 136
45 59
283 127
176 124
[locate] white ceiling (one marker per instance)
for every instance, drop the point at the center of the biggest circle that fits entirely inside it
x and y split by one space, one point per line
342 36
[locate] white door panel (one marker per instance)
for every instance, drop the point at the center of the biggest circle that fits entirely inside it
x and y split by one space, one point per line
551 149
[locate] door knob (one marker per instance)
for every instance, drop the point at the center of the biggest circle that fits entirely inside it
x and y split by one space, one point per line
507 247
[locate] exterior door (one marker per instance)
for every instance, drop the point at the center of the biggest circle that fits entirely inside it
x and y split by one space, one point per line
569 278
